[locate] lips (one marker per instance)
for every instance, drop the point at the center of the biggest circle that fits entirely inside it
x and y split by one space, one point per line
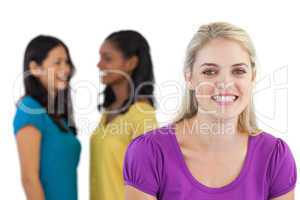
62 77
224 98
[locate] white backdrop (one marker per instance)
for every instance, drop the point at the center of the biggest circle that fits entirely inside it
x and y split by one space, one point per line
168 27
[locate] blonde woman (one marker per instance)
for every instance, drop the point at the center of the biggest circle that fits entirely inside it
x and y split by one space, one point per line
214 149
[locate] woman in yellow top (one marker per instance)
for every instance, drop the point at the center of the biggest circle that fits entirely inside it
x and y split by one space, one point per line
128 110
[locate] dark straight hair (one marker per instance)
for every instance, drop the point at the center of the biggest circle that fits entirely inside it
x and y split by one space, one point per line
61 109
131 43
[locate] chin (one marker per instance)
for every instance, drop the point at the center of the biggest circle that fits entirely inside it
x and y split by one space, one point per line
105 81
226 115
108 82
62 87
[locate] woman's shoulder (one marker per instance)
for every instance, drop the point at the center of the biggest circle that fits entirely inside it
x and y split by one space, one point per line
271 145
145 160
280 165
266 139
152 140
141 106
29 112
28 102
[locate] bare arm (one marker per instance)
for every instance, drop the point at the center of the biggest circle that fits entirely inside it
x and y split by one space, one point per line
28 142
288 196
134 194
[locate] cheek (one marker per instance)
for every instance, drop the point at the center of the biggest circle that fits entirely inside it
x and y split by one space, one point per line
204 89
203 92
244 87
48 76
117 71
52 77
245 90
115 63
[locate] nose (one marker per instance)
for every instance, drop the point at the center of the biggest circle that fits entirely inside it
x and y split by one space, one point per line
100 65
224 81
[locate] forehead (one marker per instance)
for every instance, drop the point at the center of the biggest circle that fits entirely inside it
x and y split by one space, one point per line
222 52
57 52
107 47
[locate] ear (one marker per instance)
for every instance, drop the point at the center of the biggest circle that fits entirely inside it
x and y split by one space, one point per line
35 69
131 63
188 79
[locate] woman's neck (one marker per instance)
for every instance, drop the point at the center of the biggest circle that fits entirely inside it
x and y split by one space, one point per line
121 91
212 133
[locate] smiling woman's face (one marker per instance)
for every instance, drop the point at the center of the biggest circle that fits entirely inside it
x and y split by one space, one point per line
55 70
113 65
222 78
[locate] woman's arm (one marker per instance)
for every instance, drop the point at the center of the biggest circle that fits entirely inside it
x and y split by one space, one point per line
133 194
28 142
288 196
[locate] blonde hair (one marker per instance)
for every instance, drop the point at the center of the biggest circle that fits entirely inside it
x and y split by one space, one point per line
206 33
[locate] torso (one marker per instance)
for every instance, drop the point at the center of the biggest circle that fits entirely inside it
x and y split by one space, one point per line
111 116
175 171
108 146
59 155
213 168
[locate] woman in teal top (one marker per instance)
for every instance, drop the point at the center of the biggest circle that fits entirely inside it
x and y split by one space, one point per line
44 126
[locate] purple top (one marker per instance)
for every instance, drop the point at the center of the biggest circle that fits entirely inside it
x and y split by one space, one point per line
155 165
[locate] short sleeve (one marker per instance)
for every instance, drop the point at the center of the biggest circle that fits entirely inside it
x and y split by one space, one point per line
143 166
142 118
282 170
29 112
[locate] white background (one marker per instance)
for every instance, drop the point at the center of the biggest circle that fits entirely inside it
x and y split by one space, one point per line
168 27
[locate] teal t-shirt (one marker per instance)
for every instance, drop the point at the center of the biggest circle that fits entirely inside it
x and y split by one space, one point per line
59 151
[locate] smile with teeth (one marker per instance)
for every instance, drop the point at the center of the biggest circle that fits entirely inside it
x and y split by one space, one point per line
224 99
62 78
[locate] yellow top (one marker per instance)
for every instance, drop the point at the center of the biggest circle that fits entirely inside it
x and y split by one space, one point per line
108 146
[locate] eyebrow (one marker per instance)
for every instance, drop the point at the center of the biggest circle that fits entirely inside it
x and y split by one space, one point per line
104 53
216 65
62 58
